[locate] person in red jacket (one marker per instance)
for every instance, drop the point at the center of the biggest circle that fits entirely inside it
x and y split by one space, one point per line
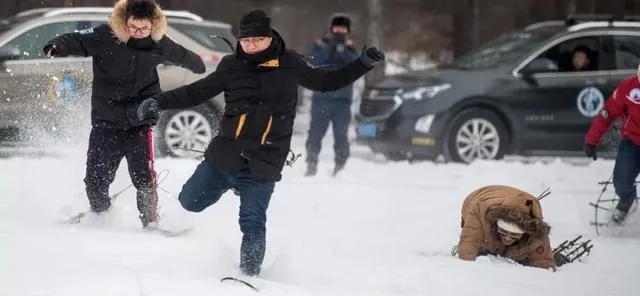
624 103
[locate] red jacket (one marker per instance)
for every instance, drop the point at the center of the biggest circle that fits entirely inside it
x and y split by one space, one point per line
625 103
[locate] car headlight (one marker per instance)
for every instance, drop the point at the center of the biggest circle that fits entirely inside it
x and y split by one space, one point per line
424 92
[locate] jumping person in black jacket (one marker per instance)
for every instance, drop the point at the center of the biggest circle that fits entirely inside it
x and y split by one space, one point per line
260 82
125 55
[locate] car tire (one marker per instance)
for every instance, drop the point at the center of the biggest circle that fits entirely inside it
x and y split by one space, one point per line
186 133
475 133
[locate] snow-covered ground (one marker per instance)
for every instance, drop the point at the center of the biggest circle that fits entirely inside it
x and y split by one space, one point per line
378 229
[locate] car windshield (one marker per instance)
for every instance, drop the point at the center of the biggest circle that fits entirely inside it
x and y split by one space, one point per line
504 49
205 35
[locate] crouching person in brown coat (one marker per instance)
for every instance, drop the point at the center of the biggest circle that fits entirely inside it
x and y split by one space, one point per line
505 221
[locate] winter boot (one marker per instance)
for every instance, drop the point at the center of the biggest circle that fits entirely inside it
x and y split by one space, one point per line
99 201
252 251
618 216
147 206
337 169
312 169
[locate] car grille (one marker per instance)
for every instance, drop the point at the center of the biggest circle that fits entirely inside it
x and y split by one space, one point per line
379 103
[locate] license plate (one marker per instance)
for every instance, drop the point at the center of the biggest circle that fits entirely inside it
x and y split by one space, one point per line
367 130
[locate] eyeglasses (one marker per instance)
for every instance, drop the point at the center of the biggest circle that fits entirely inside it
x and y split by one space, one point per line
253 40
515 236
142 30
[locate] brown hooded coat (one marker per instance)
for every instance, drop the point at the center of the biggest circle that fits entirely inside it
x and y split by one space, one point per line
480 212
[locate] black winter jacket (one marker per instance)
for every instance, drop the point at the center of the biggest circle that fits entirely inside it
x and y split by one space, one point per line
261 98
124 69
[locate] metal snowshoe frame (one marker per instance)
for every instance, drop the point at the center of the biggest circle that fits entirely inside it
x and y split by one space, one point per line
606 204
570 251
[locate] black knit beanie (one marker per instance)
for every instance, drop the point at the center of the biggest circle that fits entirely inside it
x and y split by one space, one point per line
255 24
341 20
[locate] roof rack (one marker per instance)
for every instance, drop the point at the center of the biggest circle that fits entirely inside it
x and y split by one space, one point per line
107 10
34 11
534 26
574 19
606 24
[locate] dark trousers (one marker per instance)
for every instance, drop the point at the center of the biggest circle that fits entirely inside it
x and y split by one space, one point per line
325 111
206 186
107 148
625 172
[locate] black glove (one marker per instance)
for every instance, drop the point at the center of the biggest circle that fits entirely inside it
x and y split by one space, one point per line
560 259
51 50
590 151
149 109
371 56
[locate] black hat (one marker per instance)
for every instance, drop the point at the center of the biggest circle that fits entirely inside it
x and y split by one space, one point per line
340 20
255 24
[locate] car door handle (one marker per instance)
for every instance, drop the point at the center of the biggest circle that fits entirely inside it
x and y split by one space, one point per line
596 81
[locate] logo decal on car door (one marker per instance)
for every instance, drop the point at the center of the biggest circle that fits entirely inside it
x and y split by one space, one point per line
590 100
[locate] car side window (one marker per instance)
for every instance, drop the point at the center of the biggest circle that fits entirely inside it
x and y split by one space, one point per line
627 49
31 42
580 54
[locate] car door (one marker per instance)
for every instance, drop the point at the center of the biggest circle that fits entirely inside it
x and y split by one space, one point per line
554 108
35 87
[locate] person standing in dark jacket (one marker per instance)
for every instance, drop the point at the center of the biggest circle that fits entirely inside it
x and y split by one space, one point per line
260 83
332 51
125 55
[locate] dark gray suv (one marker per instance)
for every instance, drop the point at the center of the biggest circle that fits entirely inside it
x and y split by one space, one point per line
47 100
530 92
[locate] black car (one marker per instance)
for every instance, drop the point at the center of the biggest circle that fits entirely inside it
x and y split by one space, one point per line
528 92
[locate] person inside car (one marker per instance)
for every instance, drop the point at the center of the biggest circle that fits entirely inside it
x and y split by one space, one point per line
580 58
505 221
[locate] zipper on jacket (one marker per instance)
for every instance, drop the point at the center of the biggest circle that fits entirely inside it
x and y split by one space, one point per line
266 130
240 125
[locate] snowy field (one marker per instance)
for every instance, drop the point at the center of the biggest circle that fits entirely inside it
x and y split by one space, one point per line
378 229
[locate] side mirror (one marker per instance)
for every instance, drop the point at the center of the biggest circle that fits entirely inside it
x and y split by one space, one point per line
8 52
539 65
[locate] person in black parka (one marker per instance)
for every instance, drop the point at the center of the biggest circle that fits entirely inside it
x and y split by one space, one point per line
260 83
125 55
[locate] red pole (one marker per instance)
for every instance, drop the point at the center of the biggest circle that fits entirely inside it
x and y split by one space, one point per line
153 203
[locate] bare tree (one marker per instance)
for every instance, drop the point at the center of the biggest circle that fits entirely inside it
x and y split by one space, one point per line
72 3
375 37
572 7
476 22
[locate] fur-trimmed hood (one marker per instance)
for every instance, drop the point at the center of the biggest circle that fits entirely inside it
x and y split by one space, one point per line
118 22
481 210
535 227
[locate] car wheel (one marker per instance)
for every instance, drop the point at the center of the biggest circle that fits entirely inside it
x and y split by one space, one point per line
187 133
476 134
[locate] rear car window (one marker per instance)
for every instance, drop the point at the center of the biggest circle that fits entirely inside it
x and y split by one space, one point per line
204 35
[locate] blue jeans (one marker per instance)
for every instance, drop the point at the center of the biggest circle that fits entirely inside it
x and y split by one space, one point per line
325 111
625 172
206 186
